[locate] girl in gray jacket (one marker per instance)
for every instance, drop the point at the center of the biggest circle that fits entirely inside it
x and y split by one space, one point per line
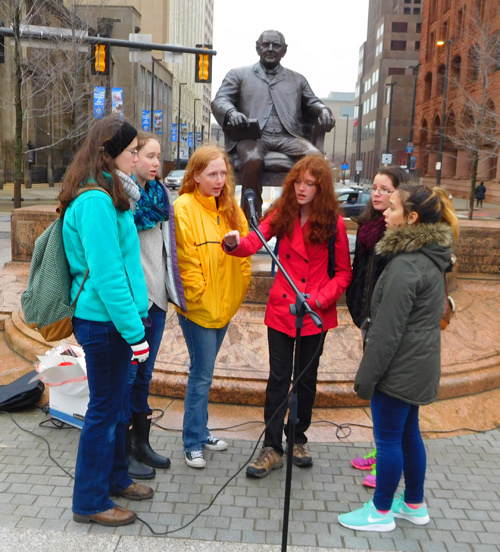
400 368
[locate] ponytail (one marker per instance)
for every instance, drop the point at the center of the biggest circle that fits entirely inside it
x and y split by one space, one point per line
448 214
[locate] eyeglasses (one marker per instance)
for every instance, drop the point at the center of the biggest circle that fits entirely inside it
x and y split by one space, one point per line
132 151
381 191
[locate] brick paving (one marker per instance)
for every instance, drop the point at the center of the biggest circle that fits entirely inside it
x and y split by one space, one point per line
462 491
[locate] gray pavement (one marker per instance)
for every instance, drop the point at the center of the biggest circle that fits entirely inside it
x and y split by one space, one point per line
462 492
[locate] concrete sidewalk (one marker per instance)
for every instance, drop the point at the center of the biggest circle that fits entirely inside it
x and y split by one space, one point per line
462 491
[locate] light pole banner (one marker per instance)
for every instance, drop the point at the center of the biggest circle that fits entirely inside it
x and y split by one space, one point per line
146 120
117 101
190 140
173 132
184 133
158 123
99 101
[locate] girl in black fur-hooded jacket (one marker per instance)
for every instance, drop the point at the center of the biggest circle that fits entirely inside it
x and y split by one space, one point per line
368 266
400 368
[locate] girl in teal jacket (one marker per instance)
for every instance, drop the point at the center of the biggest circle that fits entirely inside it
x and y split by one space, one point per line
102 248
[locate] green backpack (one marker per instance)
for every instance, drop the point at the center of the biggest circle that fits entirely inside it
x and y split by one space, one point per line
46 300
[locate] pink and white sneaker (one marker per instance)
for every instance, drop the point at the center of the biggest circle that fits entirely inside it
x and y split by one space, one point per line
366 462
371 479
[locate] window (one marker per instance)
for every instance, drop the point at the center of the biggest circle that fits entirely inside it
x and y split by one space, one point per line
407 1
446 6
444 32
380 31
375 76
396 71
373 101
428 86
398 45
417 1
379 48
440 79
399 27
417 45
460 22
419 28
416 11
407 11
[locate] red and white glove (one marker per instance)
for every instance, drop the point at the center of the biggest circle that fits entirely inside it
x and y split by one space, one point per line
140 352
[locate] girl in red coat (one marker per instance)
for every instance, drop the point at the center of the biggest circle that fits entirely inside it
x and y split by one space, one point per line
304 219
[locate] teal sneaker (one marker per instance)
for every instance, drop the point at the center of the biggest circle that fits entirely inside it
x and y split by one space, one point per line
368 518
400 509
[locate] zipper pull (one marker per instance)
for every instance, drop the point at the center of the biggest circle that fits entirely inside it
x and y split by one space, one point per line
218 221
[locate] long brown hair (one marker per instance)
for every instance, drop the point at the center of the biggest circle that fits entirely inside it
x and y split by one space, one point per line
397 176
324 209
431 204
197 163
91 161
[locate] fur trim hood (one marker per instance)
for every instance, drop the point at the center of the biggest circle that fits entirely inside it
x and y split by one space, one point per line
432 240
409 238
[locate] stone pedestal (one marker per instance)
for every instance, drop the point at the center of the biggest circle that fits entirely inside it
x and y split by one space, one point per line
478 247
27 224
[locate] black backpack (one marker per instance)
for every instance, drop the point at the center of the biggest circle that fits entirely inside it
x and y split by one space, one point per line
21 394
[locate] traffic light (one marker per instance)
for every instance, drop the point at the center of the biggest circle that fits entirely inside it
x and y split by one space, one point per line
203 65
100 59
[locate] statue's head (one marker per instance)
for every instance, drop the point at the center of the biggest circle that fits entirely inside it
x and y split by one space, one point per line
271 47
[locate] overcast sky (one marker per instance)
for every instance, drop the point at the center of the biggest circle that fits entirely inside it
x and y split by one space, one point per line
323 38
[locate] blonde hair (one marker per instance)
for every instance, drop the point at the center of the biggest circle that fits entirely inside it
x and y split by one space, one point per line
197 163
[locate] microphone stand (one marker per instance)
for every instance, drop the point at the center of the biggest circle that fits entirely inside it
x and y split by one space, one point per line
299 310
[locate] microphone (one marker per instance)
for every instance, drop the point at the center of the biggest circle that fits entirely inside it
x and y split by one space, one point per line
250 197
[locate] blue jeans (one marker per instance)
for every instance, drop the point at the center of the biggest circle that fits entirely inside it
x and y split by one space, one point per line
399 449
140 374
101 466
203 345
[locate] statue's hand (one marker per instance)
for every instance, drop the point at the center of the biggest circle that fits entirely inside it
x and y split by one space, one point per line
232 239
326 120
237 119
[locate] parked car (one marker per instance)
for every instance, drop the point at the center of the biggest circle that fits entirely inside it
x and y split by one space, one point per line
174 179
352 201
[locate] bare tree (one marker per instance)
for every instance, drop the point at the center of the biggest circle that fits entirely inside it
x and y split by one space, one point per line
51 82
477 129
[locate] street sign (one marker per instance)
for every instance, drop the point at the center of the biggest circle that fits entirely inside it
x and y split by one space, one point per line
359 166
345 166
386 158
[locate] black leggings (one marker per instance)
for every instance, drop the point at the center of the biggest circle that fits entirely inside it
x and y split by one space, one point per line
281 348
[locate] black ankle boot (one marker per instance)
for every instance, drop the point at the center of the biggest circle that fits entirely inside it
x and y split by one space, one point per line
141 448
136 469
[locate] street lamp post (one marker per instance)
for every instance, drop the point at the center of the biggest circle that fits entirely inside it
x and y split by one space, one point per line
412 121
358 138
345 150
194 123
333 152
443 114
178 164
389 122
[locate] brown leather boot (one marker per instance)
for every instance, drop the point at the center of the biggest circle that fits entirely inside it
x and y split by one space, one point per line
114 517
136 492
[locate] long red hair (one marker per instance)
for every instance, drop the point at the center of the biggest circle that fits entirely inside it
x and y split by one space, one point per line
197 163
324 209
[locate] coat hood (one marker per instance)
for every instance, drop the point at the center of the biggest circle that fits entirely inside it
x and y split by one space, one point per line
433 240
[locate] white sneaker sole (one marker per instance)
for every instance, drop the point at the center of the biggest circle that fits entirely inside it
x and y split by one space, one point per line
198 463
222 445
422 520
381 528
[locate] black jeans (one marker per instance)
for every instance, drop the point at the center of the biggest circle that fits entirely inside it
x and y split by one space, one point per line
281 348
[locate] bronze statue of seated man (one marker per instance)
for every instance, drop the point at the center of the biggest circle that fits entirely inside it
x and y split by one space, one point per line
280 100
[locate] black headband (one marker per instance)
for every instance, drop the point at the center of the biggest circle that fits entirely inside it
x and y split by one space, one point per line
120 140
